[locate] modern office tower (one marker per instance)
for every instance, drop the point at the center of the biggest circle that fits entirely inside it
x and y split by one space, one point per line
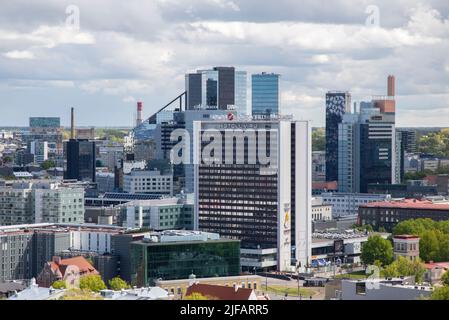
241 98
47 129
266 204
171 255
40 151
80 155
218 88
142 181
265 93
399 158
193 88
226 87
81 162
367 146
209 88
337 104
182 173
25 203
408 140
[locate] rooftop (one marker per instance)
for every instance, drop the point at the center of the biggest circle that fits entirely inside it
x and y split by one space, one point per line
220 292
408 204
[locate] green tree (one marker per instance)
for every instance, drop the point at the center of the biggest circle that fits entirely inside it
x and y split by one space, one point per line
377 248
118 284
80 294
319 140
59 284
405 267
445 278
93 283
441 293
47 164
196 296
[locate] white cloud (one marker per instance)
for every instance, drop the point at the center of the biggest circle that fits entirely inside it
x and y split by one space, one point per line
17 54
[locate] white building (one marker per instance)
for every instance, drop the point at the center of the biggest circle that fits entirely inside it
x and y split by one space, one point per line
321 210
160 214
40 151
347 204
142 181
256 203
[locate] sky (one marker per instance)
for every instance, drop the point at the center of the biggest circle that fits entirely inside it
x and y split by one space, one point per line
101 56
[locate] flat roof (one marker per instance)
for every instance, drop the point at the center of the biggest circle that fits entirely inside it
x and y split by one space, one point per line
408 204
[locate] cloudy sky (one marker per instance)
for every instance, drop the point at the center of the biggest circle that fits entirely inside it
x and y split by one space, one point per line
129 50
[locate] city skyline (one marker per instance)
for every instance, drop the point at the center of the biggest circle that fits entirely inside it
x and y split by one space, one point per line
142 52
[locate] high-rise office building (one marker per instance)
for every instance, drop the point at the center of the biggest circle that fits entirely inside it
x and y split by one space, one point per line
81 157
46 129
40 151
408 140
337 104
193 88
265 93
265 205
81 162
221 88
241 92
368 150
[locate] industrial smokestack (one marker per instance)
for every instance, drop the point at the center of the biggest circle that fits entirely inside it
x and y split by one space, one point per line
139 113
72 125
391 86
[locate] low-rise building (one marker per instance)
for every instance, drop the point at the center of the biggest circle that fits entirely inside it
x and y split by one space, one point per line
178 288
320 210
347 204
147 293
406 246
159 214
387 214
68 270
35 292
215 292
143 181
383 289
177 254
25 249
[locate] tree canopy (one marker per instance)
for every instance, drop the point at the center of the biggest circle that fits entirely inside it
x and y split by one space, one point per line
93 283
405 267
377 249
59 284
118 284
434 237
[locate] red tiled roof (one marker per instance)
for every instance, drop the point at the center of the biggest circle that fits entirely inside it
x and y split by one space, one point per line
444 265
408 204
219 292
406 236
83 265
332 185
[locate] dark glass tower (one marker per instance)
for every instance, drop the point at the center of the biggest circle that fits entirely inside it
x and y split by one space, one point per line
81 164
226 87
193 88
337 104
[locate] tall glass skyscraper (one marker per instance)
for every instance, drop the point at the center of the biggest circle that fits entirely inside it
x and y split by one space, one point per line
337 104
241 78
265 93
